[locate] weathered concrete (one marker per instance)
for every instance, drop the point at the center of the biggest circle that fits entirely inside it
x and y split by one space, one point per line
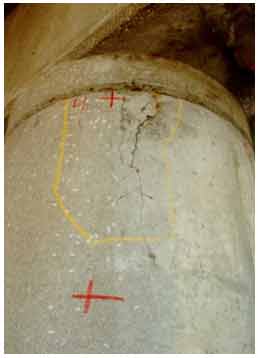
155 204
119 71
39 35
195 34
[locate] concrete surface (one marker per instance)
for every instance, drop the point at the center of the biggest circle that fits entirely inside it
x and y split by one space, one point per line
173 31
118 71
165 188
217 39
39 35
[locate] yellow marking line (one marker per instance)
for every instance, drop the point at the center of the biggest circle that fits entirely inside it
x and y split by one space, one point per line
58 175
109 239
59 171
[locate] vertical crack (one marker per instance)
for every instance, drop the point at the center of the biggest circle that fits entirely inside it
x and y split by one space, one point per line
133 166
150 253
133 155
137 134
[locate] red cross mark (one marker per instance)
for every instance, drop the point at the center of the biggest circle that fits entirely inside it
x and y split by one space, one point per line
112 98
89 296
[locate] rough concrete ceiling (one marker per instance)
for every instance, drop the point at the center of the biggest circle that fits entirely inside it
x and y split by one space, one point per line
217 39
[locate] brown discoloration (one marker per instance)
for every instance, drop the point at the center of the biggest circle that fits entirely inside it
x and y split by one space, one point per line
159 76
6 119
248 148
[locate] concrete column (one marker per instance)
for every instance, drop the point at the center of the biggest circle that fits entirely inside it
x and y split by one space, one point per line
134 176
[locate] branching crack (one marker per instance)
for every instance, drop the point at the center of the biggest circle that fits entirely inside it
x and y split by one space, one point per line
151 255
132 165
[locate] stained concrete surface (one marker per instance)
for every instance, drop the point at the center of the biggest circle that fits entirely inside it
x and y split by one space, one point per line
119 71
39 35
215 38
188 280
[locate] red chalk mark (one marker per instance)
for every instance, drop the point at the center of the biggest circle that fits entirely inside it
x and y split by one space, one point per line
112 98
87 298
90 296
80 102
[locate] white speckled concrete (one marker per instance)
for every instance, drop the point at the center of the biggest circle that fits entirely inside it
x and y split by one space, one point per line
188 290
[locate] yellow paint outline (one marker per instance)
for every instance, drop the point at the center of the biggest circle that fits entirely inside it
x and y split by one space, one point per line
59 172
